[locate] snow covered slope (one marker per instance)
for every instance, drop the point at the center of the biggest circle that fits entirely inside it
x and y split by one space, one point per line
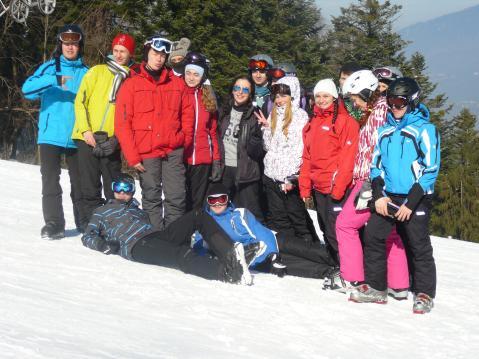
61 300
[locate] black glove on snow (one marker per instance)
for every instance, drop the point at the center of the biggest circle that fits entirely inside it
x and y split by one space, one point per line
216 171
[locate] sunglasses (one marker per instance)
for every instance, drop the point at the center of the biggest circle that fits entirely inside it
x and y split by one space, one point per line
159 44
277 73
217 200
397 102
244 90
126 187
70 37
258 65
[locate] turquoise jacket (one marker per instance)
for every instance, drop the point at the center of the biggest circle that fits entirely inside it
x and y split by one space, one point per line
57 115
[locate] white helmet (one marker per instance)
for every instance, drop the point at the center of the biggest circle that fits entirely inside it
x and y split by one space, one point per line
362 83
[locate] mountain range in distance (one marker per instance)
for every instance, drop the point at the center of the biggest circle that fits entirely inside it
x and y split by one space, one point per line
450 44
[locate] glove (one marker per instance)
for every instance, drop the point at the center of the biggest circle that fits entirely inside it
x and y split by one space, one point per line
100 137
111 248
364 196
216 171
106 148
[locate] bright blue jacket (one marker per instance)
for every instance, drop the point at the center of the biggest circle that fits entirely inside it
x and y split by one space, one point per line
57 115
407 152
241 226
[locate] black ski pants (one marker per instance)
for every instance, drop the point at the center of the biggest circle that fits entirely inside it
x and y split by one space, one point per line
171 247
197 180
415 236
244 195
328 210
50 168
95 173
287 213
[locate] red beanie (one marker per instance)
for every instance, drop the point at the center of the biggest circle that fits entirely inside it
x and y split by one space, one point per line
126 41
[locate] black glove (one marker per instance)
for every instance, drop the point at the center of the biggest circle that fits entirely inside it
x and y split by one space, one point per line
111 248
106 148
216 171
100 137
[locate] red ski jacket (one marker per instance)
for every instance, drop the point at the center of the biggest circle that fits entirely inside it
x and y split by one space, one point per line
153 118
329 152
204 148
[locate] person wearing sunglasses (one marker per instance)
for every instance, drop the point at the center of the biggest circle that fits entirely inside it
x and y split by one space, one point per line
258 68
98 149
154 122
121 227
362 88
283 142
404 168
203 158
241 142
55 83
386 75
330 145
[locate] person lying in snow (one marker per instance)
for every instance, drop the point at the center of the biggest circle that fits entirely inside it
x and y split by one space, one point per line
121 227
298 257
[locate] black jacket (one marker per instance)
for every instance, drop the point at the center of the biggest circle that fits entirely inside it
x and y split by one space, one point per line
250 149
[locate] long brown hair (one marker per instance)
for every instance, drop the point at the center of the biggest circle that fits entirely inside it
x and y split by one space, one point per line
288 117
209 98
369 107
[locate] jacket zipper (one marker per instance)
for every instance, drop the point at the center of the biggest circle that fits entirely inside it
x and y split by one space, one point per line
196 126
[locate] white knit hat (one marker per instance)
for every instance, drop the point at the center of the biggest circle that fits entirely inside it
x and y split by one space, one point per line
326 85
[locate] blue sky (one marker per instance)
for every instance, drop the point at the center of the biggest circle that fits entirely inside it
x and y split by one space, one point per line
413 11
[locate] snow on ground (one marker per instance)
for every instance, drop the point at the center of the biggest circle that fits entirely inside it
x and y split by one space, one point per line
61 300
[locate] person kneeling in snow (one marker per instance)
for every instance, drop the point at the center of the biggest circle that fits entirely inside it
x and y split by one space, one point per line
299 258
121 227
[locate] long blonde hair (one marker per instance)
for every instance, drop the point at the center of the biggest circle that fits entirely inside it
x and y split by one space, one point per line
288 117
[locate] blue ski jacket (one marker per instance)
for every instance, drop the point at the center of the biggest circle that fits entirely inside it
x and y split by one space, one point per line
241 226
57 115
122 223
407 153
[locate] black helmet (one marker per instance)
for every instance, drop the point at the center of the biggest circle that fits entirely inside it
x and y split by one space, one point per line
123 182
405 87
198 59
69 29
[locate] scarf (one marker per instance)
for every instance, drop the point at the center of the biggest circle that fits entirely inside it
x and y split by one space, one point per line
260 92
120 74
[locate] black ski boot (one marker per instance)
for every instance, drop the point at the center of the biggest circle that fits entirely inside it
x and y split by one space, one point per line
52 231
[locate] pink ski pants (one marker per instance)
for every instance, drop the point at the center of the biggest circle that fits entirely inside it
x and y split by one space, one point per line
351 252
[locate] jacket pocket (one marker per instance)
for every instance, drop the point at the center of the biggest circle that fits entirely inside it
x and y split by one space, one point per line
143 101
143 137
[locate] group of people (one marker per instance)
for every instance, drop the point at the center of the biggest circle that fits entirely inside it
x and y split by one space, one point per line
224 187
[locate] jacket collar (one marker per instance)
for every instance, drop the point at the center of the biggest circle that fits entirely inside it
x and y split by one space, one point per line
164 75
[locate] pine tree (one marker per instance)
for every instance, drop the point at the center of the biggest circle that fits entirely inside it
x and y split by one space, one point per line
457 205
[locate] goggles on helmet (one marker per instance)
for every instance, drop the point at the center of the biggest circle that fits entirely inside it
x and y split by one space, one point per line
70 37
217 200
159 44
384 73
258 65
123 186
277 73
398 102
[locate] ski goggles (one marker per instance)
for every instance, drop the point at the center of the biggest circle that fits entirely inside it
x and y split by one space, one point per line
258 65
398 102
123 186
244 90
70 37
217 200
384 73
159 44
277 73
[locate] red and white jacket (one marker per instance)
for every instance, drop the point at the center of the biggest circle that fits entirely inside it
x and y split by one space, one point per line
329 152
153 118
368 137
204 148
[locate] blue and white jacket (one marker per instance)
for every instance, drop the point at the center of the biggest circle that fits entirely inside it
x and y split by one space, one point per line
241 226
57 115
407 154
123 223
